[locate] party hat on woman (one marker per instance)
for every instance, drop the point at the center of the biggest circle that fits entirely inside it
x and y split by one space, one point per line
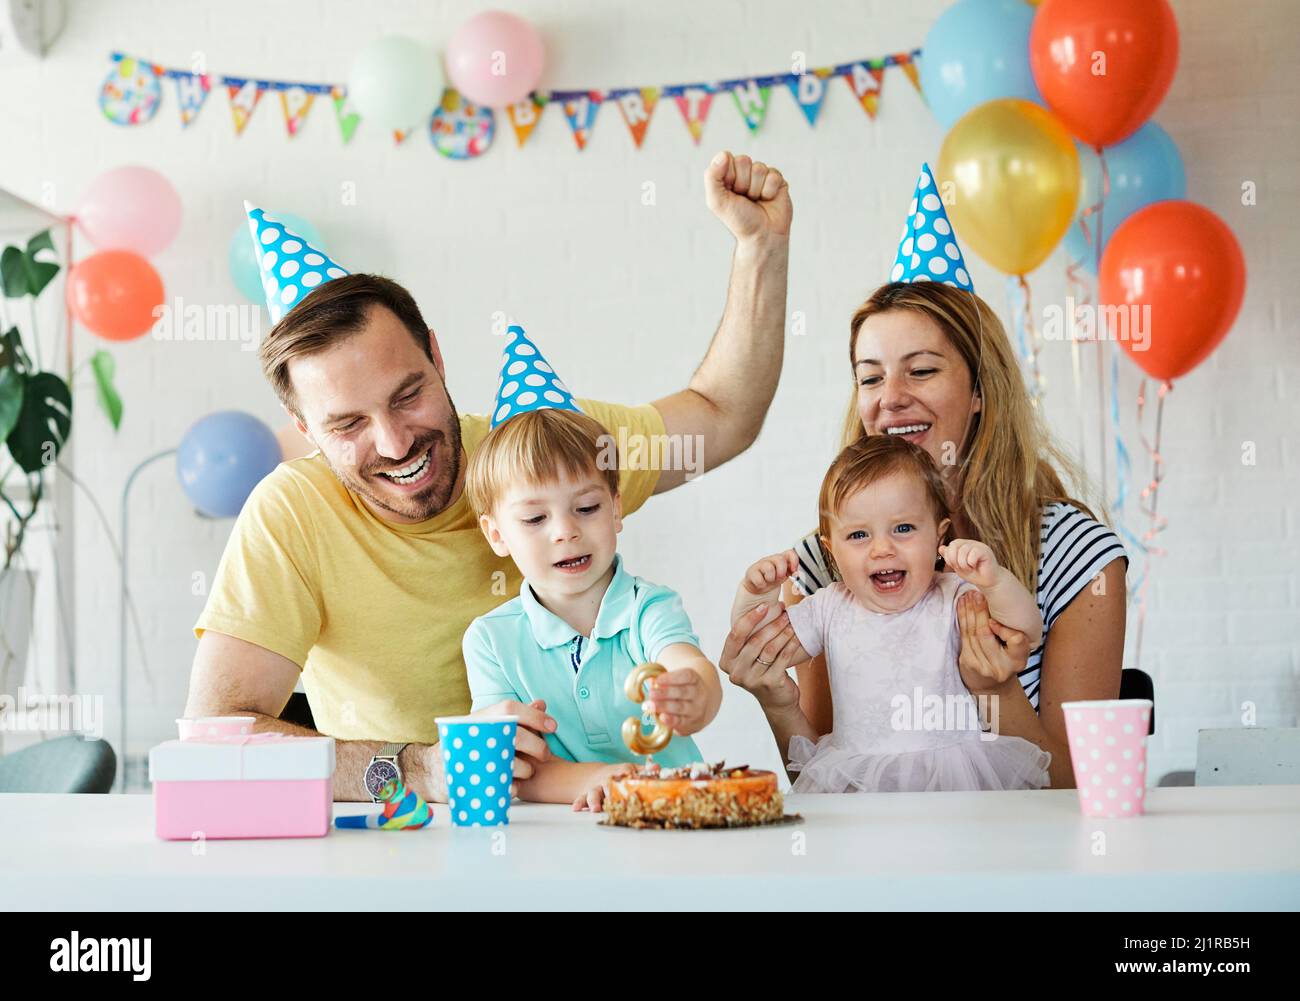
927 247
291 267
527 381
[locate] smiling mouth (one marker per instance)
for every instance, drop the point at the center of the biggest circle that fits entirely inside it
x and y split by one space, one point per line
906 430
411 473
576 564
888 580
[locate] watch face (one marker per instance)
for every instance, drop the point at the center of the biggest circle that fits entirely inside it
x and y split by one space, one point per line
377 774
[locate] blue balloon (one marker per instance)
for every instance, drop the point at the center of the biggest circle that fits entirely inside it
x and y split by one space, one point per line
242 259
1144 168
222 458
977 51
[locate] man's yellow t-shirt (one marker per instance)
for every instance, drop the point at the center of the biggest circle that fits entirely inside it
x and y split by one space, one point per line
372 611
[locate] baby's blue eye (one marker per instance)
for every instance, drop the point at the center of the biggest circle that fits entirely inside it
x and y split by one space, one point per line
904 529
859 534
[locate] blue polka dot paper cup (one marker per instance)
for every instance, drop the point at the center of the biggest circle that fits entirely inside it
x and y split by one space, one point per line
478 753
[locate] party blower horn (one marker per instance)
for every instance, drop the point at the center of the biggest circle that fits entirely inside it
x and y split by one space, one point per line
404 810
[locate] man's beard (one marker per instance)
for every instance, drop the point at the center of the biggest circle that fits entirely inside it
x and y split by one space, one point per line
434 498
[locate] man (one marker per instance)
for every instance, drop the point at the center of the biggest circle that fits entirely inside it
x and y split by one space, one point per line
361 566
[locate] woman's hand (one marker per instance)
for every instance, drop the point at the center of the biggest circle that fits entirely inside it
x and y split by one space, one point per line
757 659
991 653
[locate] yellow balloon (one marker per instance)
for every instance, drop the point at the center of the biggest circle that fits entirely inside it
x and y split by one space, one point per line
1015 175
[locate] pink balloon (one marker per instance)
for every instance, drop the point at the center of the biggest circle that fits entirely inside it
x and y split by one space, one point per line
495 59
130 208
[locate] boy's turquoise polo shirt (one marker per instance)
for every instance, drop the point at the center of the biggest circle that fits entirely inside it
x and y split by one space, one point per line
523 651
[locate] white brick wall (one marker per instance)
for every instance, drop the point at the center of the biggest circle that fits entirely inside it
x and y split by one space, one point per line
625 296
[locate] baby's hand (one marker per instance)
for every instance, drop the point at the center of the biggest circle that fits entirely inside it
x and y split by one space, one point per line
770 572
971 561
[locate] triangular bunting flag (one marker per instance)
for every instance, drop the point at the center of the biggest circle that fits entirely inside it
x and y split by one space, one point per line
296 103
347 119
192 90
908 65
694 104
865 80
524 116
580 112
243 101
637 107
809 90
751 102
401 135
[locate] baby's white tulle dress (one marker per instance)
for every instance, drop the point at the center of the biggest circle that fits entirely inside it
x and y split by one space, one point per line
903 719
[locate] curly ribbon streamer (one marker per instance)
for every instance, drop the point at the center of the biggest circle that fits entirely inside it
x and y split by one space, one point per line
637 741
1027 340
1147 503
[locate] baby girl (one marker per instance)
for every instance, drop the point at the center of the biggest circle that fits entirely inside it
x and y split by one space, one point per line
889 630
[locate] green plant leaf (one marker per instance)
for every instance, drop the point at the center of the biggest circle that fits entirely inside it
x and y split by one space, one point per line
11 399
43 422
42 262
101 362
12 353
28 272
13 273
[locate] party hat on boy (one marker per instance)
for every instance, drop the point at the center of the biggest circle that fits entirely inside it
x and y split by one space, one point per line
927 248
527 382
291 267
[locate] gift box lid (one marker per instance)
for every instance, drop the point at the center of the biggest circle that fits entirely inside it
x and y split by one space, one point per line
250 757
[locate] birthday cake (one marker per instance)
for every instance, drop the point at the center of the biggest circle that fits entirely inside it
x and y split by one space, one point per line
693 796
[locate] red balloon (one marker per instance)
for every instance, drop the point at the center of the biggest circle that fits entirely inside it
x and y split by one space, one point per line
1182 261
114 293
1103 66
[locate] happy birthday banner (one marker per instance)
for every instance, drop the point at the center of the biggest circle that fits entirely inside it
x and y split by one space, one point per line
132 92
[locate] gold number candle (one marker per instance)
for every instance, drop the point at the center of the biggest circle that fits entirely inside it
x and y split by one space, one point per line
636 740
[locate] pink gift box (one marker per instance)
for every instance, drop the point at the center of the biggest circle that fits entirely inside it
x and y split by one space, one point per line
262 785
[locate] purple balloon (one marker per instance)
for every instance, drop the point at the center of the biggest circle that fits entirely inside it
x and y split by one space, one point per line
222 458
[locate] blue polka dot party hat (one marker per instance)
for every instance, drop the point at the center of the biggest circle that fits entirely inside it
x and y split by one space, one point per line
927 247
291 267
527 382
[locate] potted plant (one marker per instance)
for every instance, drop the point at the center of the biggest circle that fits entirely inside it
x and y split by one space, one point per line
35 422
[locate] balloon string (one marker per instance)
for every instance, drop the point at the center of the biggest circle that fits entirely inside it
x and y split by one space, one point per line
1147 502
1101 353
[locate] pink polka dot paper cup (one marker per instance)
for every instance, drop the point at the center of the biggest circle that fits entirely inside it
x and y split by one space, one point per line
1108 748
214 726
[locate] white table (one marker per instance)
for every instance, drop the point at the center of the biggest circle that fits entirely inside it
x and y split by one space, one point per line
1197 848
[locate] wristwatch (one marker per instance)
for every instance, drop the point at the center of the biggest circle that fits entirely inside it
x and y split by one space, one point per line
383 767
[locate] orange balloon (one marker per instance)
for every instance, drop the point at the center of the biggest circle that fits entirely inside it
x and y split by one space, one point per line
114 294
1103 66
1182 261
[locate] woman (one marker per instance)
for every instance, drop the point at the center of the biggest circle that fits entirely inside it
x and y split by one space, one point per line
932 363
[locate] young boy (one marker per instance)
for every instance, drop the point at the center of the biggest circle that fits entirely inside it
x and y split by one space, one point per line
544 483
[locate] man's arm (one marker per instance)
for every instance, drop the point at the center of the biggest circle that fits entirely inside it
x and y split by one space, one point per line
232 677
729 394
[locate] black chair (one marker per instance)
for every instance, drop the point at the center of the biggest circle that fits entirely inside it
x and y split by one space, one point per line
298 711
63 764
1136 684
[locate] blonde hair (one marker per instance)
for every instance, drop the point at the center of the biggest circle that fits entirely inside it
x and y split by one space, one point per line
1009 462
535 447
865 461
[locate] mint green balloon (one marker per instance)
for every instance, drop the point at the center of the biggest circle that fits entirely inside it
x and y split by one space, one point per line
242 254
395 82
